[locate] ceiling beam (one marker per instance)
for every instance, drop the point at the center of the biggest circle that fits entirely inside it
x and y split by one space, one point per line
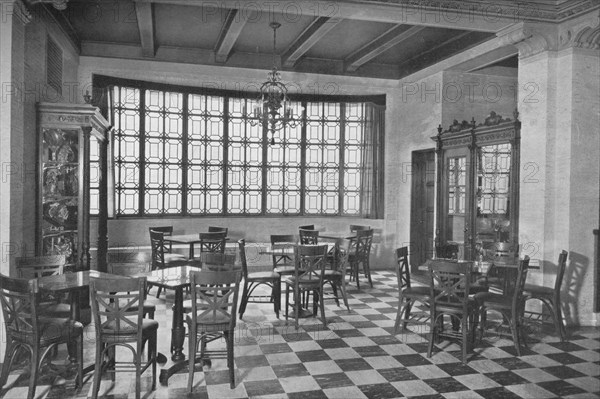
379 45
234 23
311 35
145 18
452 14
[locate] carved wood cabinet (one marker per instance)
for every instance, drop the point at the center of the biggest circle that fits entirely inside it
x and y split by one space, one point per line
478 184
72 174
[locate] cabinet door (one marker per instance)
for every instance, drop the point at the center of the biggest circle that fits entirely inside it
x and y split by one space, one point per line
493 207
456 217
60 177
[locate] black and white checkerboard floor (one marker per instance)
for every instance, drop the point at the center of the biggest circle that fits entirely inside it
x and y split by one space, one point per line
358 356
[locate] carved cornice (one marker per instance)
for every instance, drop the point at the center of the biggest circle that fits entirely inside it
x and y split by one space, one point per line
17 9
586 37
530 39
518 11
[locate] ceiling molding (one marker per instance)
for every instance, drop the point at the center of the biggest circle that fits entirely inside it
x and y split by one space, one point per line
145 18
58 4
311 35
230 31
381 44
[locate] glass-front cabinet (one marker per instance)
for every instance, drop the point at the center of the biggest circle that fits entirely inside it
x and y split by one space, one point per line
73 142
478 184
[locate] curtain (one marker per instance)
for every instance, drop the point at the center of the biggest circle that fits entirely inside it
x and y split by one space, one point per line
372 190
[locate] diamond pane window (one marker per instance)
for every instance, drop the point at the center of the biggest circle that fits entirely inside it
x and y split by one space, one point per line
189 153
493 178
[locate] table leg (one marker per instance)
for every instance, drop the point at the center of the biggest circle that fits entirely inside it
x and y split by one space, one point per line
178 329
177 338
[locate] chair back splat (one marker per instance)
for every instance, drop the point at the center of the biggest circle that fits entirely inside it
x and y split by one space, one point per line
213 241
308 237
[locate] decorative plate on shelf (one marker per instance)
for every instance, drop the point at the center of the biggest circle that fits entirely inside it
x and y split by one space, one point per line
66 153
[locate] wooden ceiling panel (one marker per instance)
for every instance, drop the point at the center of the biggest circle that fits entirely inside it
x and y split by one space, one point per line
188 26
257 36
114 22
346 37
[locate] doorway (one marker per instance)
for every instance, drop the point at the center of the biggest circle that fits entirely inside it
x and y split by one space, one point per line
422 207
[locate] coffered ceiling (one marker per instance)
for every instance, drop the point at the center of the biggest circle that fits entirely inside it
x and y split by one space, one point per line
385 39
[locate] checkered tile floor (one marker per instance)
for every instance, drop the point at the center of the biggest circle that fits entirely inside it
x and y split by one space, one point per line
358 356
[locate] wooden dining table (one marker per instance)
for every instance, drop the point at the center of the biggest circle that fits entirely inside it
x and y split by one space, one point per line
188 239
173 278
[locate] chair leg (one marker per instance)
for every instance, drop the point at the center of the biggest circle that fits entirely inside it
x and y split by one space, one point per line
322 305
79 380
138 374
398 316
355 272
408 308
344 296
192 349
367 271
287 300
97 369
8 359
296 307
230 364
432 335
33 369
152 345
277 299
335 294
558 319
244 300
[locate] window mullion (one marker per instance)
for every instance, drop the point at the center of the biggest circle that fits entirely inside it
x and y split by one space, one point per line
303 159
184 154
225 153
342 161
264 174
142 160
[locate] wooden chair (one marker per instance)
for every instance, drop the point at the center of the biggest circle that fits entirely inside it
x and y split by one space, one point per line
130 270
550 296
283 264
119 321
167 231
360 254
162 257
408 293
213 317
215 229
336 275
356 227
28 327
213 241
309 266
308 237
449 288
509 304
500 252
39 266
256 279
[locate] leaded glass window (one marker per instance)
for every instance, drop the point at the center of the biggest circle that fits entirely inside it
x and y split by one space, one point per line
191 153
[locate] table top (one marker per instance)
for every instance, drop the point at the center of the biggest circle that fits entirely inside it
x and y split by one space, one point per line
171 277
332 235
71 281
185 238
497 263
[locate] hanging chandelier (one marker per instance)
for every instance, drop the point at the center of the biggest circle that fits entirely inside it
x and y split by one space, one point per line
273 111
